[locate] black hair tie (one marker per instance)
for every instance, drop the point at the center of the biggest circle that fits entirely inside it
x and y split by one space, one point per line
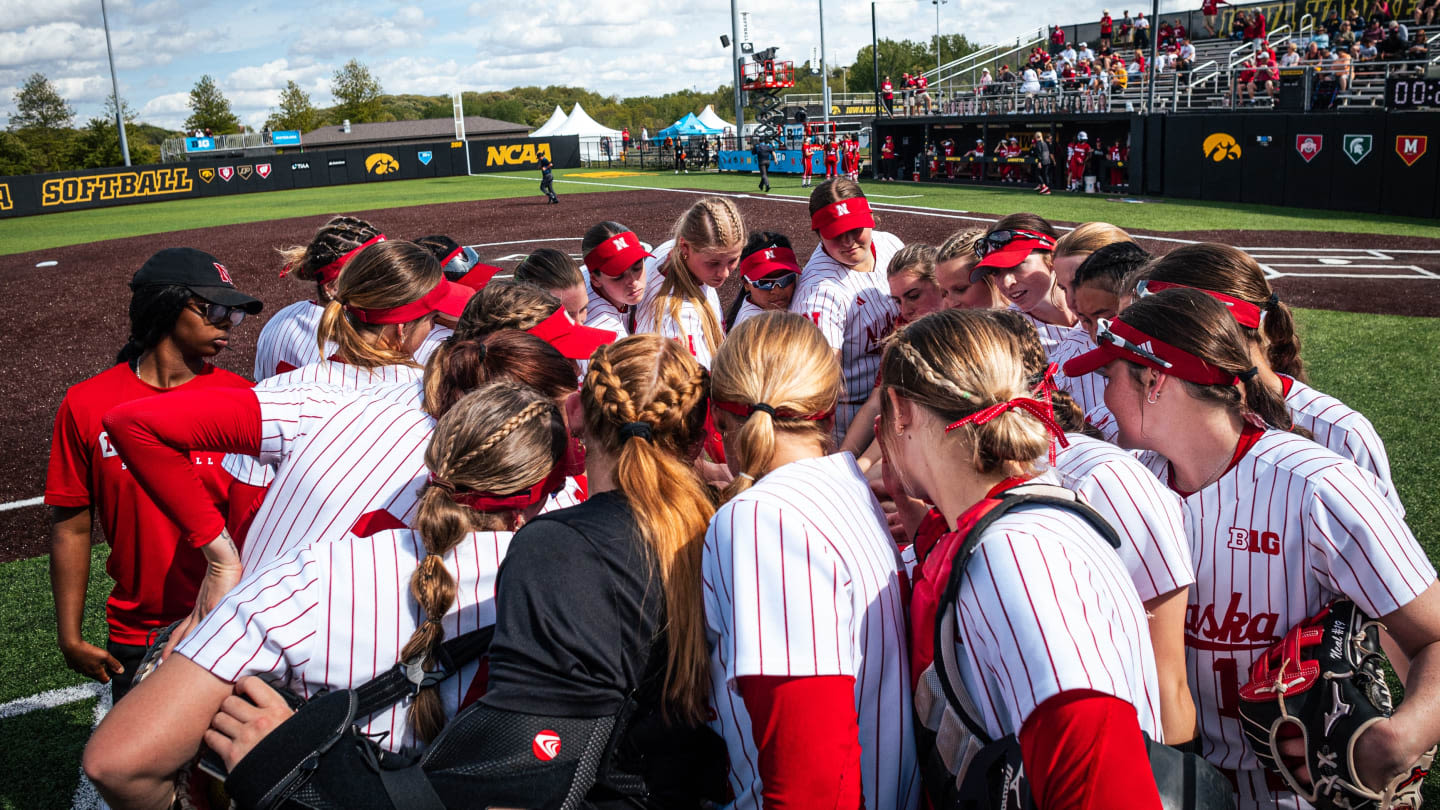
630 430
1273 301
1248 374
760 406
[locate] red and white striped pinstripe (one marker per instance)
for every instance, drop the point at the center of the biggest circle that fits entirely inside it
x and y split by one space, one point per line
1289 528
1144 513
855 312
289 340
801 579
1053 336
432 341
747 311
1345 431
336 615
689 328
601 314
1088 390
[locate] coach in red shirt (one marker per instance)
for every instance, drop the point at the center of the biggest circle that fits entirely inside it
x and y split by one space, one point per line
182 308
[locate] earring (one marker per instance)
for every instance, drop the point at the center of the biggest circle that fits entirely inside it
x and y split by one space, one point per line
1153 398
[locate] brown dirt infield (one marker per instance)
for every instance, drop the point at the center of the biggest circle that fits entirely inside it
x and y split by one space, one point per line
72 330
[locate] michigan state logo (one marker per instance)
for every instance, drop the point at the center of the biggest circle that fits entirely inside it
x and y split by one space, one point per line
1357 147
381 163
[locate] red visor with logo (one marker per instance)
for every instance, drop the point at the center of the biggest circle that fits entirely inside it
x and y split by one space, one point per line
331 271
1244 312
573 340
839 217
446 297
1117 340
615 255
762 263
1021 244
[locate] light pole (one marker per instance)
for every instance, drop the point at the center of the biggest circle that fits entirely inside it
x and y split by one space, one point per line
115 84
824 74
735 65
937 4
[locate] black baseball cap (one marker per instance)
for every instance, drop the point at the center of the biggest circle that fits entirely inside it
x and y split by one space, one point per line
202 273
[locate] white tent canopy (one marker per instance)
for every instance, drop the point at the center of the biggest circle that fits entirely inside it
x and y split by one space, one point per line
590 132
557 120
711 119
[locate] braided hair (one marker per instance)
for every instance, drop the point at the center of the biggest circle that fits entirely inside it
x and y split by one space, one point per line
153 313
713 223
334 239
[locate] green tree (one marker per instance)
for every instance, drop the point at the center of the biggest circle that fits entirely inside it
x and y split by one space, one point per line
209 109
38 105
295 110
358 93
98 144
15 155
896 58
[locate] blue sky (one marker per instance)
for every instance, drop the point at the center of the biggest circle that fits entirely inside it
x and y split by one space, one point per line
615 47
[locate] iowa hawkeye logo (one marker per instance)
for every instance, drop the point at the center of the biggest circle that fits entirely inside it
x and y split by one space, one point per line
517 154
381 163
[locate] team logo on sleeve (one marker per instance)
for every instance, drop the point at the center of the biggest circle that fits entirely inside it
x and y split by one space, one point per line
1357 147
1309 146
1411 148
546 745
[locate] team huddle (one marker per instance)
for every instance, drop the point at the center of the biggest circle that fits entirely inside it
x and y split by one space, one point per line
1018 519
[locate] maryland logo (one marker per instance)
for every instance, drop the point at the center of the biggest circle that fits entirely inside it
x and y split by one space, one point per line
381 163
517 154
1309 146
1357 147
424 157
1411 148
1220 147
263 169
207 175
227 172
246 171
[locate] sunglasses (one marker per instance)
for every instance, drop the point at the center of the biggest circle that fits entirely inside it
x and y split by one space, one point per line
995 240
1103 334
780 283
217 313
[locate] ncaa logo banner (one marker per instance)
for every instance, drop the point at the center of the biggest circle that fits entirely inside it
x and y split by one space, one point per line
1309 146
1411 148
1357 147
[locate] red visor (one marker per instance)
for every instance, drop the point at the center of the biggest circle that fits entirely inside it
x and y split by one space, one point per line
331 271
491 502
456 297
433 301
762 263
839 217
1117 340
615 255
1010 255
1244 312
575 341
479 276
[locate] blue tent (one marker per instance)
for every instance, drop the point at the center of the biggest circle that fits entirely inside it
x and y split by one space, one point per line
686 127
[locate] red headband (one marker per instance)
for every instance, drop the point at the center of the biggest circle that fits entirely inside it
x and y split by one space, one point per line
744 411
331 271
491 502
762 263
405 313
451 256
1109 337
841 216
615 255
1244 312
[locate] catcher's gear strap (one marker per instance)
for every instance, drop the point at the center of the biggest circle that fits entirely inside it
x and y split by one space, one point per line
404 680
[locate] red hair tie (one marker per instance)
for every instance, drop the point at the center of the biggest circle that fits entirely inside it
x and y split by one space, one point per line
515 501
1034 407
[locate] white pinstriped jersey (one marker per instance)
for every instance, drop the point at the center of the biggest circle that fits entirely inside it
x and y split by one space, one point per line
1047 607
1053 335
289 340
337 615
1289 528
1344 431
338 454
1088 390
855 312
249 470
1144 513
689 329
432 341
801 579
1104 421
602 314
747 311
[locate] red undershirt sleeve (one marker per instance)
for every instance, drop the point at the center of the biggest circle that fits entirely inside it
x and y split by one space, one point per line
808 738
154 436
1083 750
243 501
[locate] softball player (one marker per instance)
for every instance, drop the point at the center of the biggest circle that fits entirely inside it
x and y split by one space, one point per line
556 273
288 340
1075 246
1053 645
954 260
911 276
1269 329
337 615
804 602
182 307
1278 526
681 299
768 272
615 275
461 266
843 288
1018 251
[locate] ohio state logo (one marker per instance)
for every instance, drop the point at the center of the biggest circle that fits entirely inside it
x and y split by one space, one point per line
1236 630
1309 146
546 745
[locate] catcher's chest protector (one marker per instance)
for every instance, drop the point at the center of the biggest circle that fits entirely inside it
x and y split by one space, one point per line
962 766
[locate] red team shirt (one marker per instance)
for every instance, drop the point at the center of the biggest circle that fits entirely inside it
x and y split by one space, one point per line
156 576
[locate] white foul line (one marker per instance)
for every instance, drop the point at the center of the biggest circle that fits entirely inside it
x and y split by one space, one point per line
51 699
6 507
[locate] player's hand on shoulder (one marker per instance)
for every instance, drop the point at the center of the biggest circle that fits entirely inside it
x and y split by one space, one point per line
90 661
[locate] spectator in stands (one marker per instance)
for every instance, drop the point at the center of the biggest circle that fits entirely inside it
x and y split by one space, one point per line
1142 30
1057 40
1137 66
1164 61
1006 79
1311 55
1186 53
1344 36
887 92
1244 87
1085 54
1239 24
1107 29
1395 43
1291 57
1256 32
1068 77
1049 79
1332 22
1418 50
986 84
1179 29
1365 51
1166 33
1382 11
1339 67
1127 29
1069 56
1374 32
907 93
1030 86
1425 11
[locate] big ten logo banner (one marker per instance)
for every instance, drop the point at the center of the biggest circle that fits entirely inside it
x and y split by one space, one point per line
89 188
517 154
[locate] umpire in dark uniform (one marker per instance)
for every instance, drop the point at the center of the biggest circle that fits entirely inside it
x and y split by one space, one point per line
547 180
763 152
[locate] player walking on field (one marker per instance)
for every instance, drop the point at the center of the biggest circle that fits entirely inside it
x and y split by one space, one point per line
340 614
843 288
804 603
681 299
1051 643
182 307
615 274
1278 527
288 340
807 167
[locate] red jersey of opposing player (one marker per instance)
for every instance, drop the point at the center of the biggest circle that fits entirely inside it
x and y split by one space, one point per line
832 156
807 151
156 576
